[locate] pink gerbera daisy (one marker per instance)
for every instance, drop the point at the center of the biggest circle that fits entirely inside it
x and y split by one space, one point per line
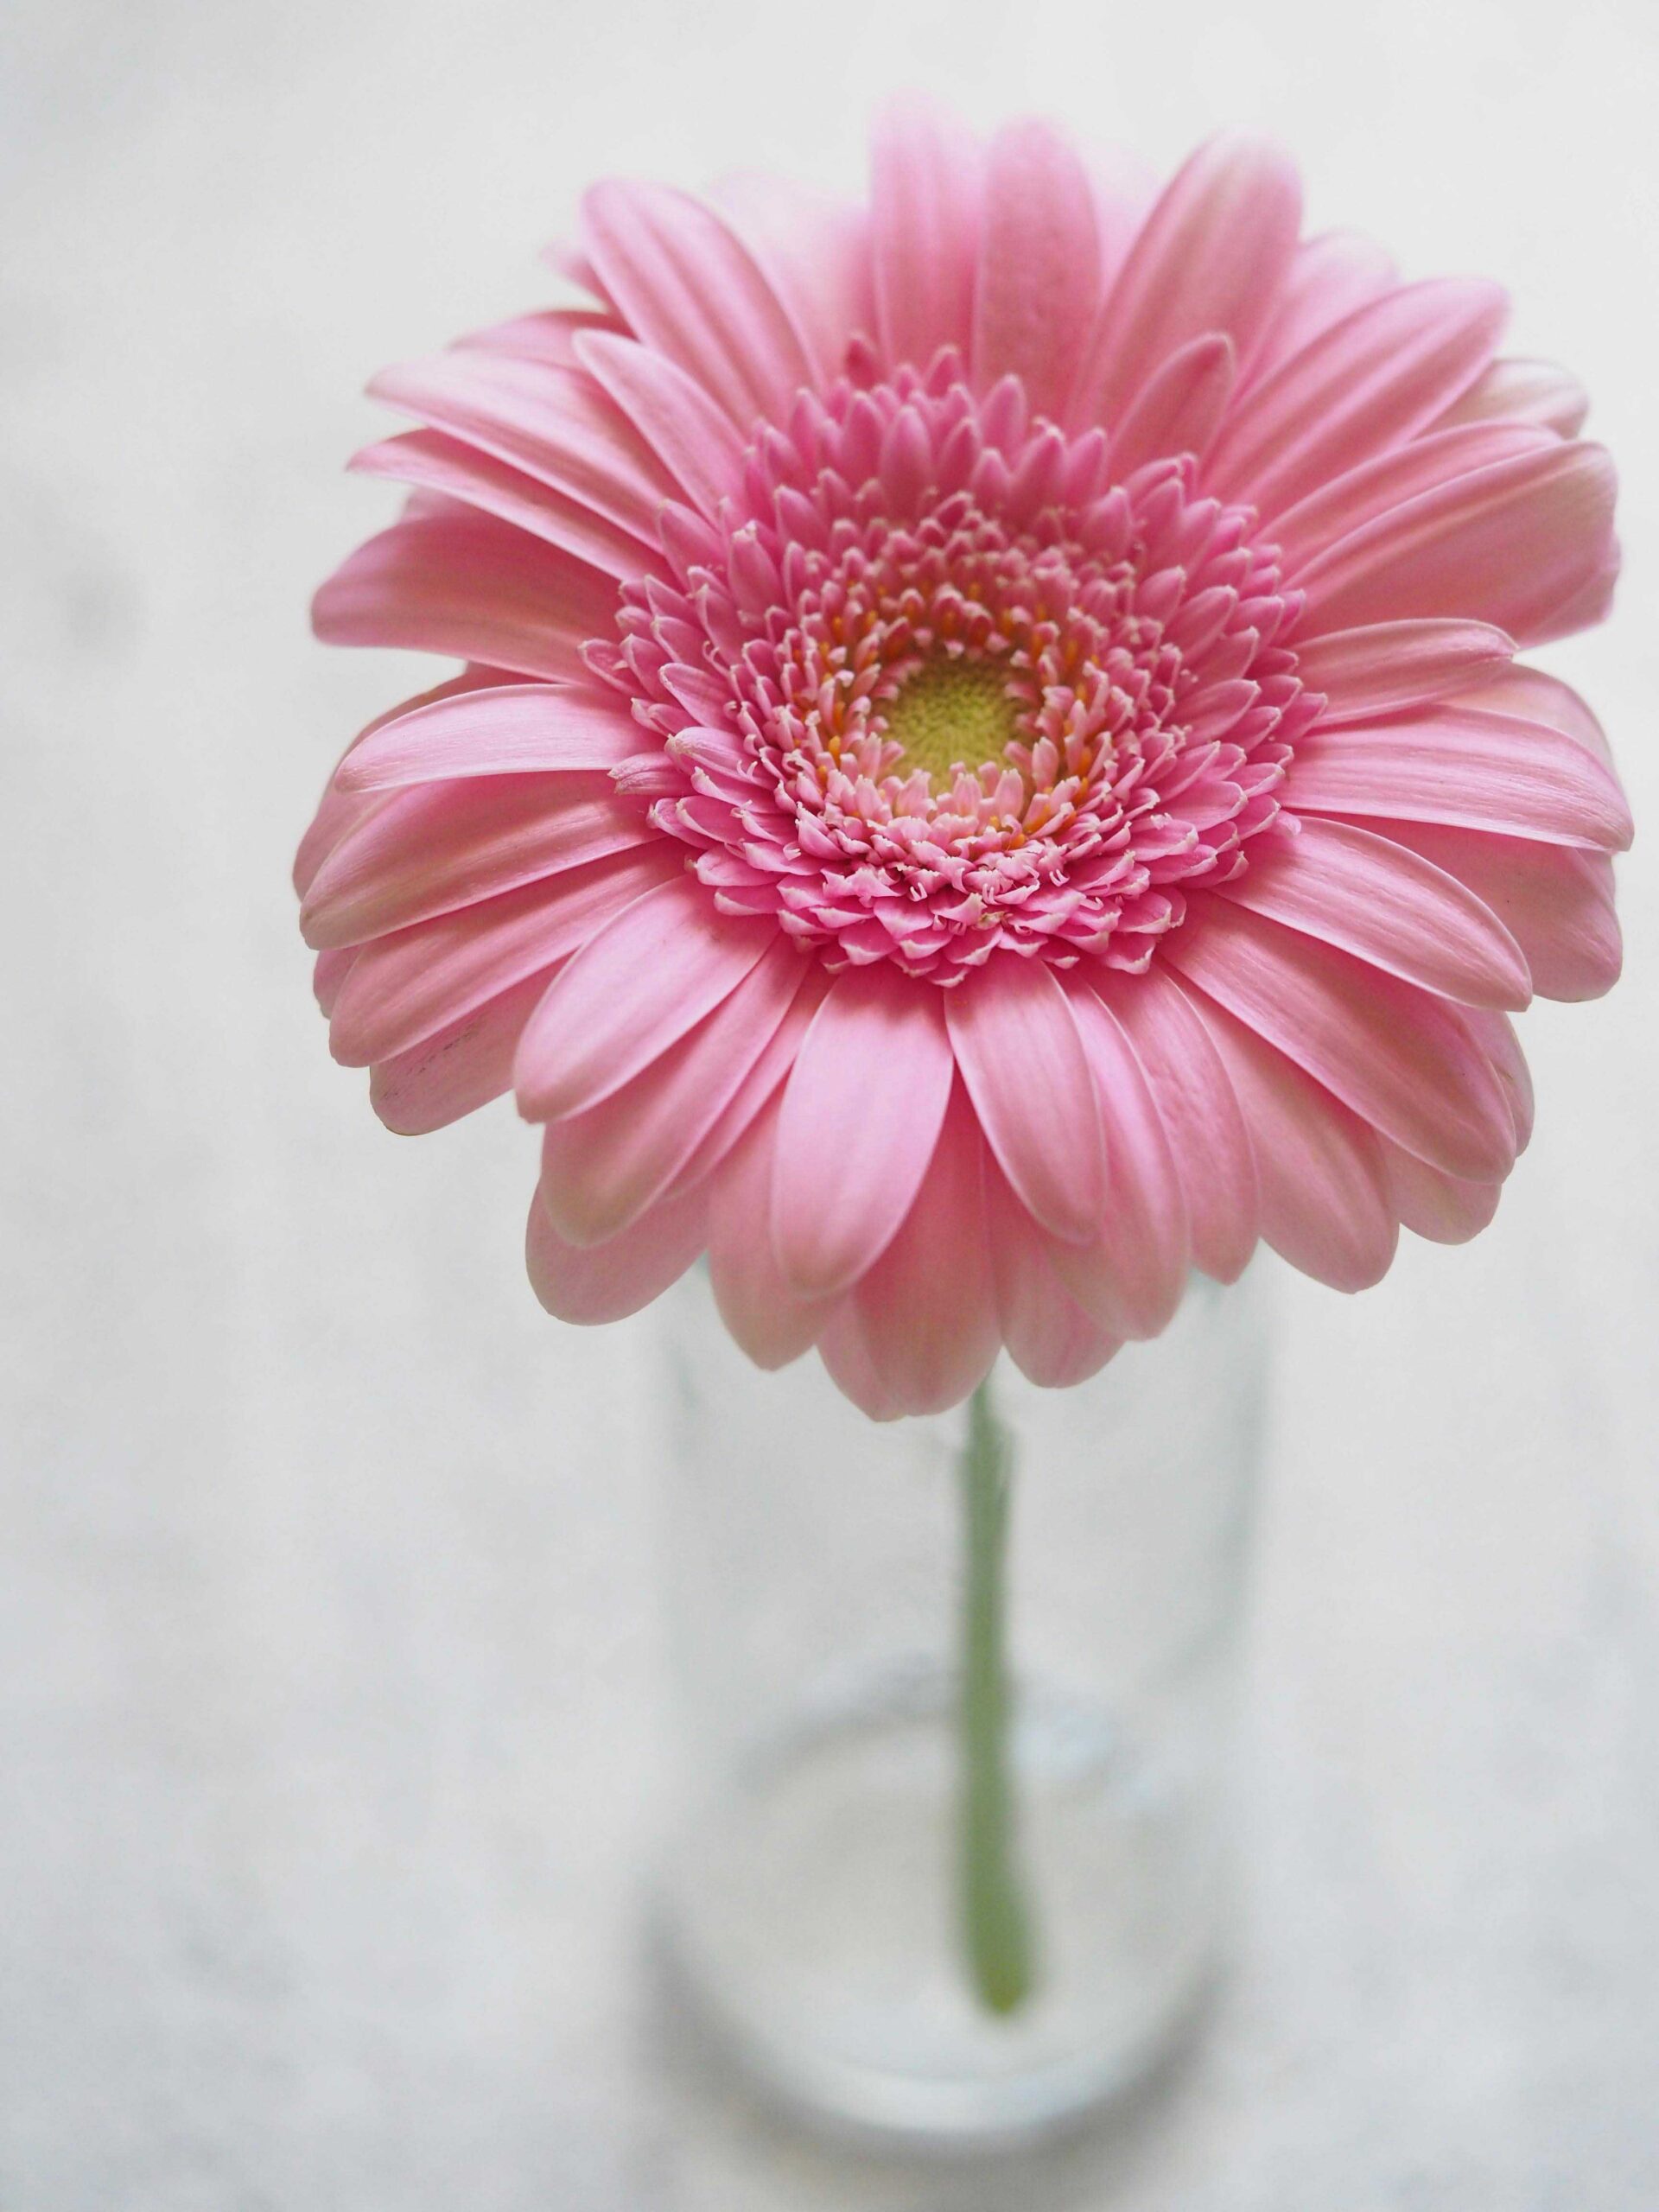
990 769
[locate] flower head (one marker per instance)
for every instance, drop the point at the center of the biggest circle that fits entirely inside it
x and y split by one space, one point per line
990 767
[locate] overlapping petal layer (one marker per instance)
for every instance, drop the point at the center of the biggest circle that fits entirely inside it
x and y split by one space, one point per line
990 768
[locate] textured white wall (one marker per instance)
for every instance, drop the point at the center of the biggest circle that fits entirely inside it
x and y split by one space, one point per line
323 1673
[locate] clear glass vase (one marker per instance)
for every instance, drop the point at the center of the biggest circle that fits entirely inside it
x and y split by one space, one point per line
946 1853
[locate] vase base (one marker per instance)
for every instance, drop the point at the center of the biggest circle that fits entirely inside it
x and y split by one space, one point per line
843 2103
816 1936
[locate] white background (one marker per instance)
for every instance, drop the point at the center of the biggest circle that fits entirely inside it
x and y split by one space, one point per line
323 1672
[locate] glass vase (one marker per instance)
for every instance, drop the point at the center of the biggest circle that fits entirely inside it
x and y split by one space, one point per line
949 1708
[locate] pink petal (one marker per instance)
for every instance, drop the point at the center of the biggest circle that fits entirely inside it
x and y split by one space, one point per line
695 295
1180 407
1328 277
1437 459
1593 601
404 987
1326 1205
1362 672
925 198
1038 289
1536 696
632 990
549 334
458 1069
1512 545
472 587
507 730
553 423
1210 257
1356 391
1201 1117
339 810
601 1168
926 1308
848 1358
1126 187
1459 764
1441 1207
768 1318
673 414
861 1116
442 846
329 973
1494 1034
433 462
814 252
1403 1060
1133 1276
1015 1038
1349 887
1524 392
592 1283
763 1079
1050 1338
338 813
576 268
1557 903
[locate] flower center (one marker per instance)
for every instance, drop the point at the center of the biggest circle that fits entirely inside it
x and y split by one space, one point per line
937 685
952 714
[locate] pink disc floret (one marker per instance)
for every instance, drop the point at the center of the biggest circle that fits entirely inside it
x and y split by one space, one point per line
1121 637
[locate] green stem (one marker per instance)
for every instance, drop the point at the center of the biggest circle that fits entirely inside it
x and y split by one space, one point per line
997 1926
